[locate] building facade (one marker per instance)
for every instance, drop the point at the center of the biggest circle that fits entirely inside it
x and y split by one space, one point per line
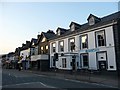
89 46
25 55
41 59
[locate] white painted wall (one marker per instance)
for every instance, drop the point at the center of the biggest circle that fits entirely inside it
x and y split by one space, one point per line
109 36
77 43
39 57
66 45
92 61
25 53
68 60
91 45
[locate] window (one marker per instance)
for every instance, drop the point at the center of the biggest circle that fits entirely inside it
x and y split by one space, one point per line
42 51
52 62
46 48
100 38
91 21
73 27
84 58
59 32
61 46
72 44
84 42
53 47
63 62
43 40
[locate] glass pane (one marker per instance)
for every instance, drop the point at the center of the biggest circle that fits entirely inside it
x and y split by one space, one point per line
61 43
46 47
85 60
71 40
53 44
41 48
84 39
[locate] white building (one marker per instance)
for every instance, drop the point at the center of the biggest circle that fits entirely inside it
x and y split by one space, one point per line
25 54
89 46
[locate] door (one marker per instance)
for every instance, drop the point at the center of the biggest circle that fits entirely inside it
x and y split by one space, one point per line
102 60
102 65
73 64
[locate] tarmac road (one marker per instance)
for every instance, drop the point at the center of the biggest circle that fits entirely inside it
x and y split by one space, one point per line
18 79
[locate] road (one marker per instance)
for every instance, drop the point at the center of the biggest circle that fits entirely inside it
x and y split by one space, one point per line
19 79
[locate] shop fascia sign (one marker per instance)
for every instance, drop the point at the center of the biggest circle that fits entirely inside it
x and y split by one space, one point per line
89 50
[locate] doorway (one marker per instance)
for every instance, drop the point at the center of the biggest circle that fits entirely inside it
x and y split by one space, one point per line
73 64
102 61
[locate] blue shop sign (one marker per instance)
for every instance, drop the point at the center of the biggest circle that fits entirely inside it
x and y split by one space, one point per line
89 50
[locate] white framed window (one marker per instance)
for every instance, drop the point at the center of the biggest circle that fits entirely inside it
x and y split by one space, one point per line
53 47
46 48
71 44
100 38
85 60
84 41
42 50
61 46
64 62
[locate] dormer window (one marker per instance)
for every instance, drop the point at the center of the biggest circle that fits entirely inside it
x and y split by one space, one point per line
58 32
91 21
72 27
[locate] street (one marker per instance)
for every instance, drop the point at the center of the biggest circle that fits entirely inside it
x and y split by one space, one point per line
19 79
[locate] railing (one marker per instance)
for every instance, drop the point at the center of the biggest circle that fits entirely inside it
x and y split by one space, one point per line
39 57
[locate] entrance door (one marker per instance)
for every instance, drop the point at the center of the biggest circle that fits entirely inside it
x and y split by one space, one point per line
73 64
102 65
102 61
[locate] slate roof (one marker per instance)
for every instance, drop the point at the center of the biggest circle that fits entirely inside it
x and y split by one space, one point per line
104 20
48 35
91 15
62 29
74 23
34 40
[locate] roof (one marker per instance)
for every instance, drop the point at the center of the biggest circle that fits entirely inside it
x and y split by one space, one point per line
34 40
48 35
91 15
74 23
104 20
62 29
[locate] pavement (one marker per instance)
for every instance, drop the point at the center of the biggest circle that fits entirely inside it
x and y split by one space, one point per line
107 80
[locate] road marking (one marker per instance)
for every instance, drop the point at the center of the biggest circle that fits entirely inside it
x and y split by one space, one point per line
47 85
29 83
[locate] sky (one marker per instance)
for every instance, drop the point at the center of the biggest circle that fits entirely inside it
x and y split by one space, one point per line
21 21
